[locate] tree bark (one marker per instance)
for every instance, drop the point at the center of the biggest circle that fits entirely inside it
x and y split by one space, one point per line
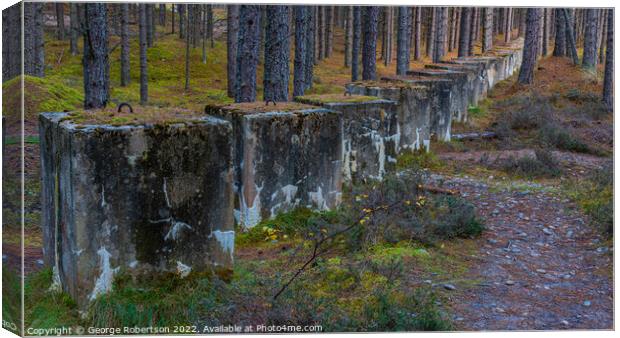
403 40
173 9
603 37
310 50
232 24
545 39
247 53
608 81
487 30
34 53
526 73
559 49
348 35
417 50
369 49
12 41
188 38
210 25
464 32
182 23
590 39
149 24
440 34
74 27
472 31
60 21
329 31
571 46
357 38
162 15
430 37
125 78
302 22
95 60
144 89
277 50
508 25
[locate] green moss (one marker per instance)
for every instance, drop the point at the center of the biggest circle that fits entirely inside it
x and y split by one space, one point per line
335 98
418 159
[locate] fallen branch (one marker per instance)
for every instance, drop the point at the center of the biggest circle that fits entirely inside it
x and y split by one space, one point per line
437 190
474 136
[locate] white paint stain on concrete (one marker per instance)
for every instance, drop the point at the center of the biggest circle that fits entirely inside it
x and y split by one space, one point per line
288 191
249 216
56 283
175 230
106 277
183 270
226 239
317 199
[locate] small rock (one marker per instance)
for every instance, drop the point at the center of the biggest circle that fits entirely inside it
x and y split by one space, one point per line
587 303
565 322
492 241
495 211
541 270
40 261
499 309
602 249
428 281
449 287
547 231
510 282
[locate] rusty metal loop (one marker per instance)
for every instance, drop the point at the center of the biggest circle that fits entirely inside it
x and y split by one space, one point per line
124 104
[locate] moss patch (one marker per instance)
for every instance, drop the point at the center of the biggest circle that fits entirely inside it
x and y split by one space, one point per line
141 115
335 98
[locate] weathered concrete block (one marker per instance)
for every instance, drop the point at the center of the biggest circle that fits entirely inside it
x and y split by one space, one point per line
459 97
413 109
370 133
495 68
285 156
477 84
440 98
141 198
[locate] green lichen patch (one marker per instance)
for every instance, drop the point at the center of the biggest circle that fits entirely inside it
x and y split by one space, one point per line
141 115
334 98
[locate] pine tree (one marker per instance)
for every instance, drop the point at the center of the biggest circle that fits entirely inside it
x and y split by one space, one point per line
232 22
590 39
608 81
277 50
125 78
357 38
144 89
526 73
403 40
247 53
369 56
95 59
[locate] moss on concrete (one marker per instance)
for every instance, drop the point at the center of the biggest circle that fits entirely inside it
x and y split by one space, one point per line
141 115
335 98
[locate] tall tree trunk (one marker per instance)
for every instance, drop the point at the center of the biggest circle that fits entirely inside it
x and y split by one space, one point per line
74 26
60 21
472 31
590 40
277 54
526 73
329 31
453 29
182 23
357 38
173 9
348 35
144 89
210 25
310 50
545 43
149 24
603 37
403 40
369 49
12 41
34 52
464 32
95 60
162 15
247 53
559 48
508 25
417 50
188 37
302 22
522 18
430 37
440 34
388 33
608 81
571 46
487 30
125 78
204 33
232 23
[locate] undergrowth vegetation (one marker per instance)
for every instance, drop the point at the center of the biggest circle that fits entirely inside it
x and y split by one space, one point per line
595 196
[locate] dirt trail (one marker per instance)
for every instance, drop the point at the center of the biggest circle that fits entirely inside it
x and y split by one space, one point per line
540 265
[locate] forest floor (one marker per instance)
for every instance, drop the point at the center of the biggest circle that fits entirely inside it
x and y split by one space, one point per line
543 190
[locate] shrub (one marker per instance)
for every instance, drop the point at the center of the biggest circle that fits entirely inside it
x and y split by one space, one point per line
595 195
554 135
541 165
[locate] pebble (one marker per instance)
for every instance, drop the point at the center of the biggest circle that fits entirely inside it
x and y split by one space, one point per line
587 303
541 270
40 261
510 282
428 281
602 249
449 287
492 241
547 231
564 322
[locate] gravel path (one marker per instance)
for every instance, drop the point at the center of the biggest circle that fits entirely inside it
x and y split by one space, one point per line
541 266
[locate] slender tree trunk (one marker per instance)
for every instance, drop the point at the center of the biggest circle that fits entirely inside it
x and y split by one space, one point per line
357 38
188 36
601 58
74 26
204 33
210 25
149 23
348 34
162 15
453 29
60 21
526 73
559 49
608 81
403 40
12 41
430 38
232 23
95 61
173 9
329 31
508 25
571 46
142 26
417 50
247 53
545 43
472 31
590 38
301 16
310 50
182 23
487 30
34 52
464 32
277 50
369 49
440 34
125 78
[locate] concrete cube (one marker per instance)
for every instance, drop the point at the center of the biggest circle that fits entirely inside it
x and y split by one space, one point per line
459 99
413 109
143 199
285 155
370 139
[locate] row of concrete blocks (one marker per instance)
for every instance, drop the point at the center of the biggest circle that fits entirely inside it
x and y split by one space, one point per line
163 198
